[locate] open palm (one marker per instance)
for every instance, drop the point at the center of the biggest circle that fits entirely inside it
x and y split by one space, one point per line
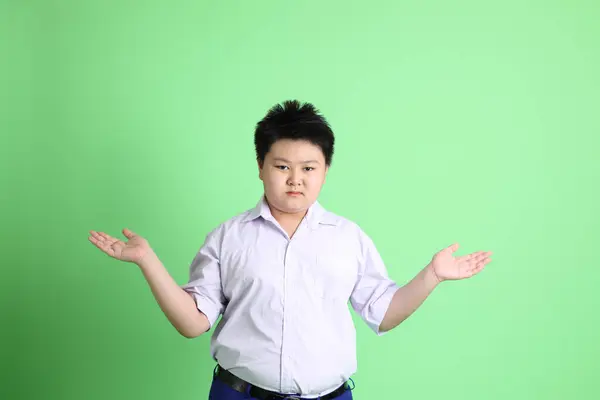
448 267
132 251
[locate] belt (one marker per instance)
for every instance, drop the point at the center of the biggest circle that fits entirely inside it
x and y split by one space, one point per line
242 386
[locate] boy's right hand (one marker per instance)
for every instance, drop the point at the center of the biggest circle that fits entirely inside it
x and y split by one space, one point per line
134 250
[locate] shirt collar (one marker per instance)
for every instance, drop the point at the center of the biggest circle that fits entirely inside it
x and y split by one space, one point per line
316 214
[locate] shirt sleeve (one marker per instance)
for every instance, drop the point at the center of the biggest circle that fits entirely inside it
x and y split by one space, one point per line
204 282
374 289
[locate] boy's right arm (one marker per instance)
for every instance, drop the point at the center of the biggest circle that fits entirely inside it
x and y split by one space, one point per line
177 304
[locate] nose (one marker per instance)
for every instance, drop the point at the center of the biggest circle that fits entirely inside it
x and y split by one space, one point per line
295 178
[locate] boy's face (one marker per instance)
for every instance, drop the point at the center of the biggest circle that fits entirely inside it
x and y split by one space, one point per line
293 173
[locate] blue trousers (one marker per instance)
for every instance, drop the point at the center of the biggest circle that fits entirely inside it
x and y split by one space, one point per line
221 391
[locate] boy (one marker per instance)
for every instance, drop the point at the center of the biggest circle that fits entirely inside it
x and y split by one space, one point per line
281 275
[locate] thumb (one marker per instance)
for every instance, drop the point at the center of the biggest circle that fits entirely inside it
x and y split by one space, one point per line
452 248
128 234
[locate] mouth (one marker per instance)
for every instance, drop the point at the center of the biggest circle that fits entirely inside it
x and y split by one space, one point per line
294 193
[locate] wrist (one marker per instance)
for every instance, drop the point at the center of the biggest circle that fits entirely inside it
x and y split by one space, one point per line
432 276
148 260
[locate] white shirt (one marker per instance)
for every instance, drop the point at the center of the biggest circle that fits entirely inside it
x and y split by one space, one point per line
286 325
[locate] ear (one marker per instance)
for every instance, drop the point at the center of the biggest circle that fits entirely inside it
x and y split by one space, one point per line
260 169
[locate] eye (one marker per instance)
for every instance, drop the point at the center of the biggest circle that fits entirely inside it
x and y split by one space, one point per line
281 167
309 168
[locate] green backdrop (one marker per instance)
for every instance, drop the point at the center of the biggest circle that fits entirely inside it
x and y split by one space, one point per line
463 121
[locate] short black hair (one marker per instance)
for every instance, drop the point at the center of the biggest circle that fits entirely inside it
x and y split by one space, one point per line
294 120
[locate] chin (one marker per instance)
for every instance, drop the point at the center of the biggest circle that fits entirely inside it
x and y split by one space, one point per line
290 205
293 206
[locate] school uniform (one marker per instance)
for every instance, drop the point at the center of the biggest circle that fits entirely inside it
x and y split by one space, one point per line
285 327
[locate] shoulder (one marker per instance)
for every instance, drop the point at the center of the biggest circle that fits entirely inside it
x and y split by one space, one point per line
218 233
234 222
333 219
348 227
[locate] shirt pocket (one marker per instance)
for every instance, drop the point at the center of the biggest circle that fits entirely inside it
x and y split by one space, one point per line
336 270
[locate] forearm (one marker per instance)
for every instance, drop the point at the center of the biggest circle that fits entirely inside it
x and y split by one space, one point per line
177 305
408 298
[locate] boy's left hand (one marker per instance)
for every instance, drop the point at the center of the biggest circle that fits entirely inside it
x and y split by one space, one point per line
446 266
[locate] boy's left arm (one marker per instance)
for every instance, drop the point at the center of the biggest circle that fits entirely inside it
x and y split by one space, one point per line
443 266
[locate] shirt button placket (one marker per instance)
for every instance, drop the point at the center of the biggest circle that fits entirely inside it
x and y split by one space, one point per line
285 354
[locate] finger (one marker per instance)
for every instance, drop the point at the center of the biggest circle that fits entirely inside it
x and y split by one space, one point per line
464 258
102 245
452 248
94 241
481 256
467 257
109 239
128 233
475 271
105 236
100 237
478 255
96 235
479 266
485 258
475 261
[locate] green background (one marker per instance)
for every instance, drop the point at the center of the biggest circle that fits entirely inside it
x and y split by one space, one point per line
463 121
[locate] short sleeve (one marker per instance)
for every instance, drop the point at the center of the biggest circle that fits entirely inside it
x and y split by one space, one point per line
204 282
374 289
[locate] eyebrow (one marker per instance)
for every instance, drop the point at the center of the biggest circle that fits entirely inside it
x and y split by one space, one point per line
289 162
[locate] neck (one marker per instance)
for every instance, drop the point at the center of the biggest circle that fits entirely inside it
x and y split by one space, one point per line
286 218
